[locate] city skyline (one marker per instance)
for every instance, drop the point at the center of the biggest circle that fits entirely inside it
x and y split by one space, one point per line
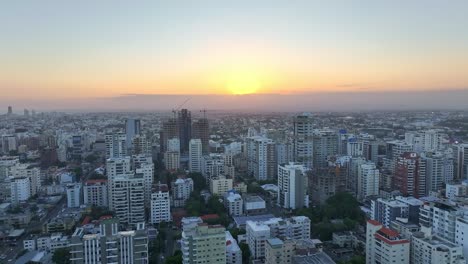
91 55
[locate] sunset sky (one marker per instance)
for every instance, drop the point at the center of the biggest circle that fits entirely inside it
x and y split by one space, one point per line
52 50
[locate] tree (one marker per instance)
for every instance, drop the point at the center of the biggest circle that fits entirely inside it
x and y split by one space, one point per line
199 182
245 252
175 259
61 256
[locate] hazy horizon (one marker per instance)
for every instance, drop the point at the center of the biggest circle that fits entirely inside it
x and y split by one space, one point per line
319 101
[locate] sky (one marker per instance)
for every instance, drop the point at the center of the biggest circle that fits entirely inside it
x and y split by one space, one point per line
67 54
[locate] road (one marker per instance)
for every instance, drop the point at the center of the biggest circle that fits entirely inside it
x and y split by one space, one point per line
11 252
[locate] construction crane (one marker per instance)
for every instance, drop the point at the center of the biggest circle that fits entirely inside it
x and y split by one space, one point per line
204 113
179 106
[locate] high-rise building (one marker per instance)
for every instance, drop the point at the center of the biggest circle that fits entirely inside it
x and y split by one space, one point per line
439 170
127 198
141 145
9 143
261 158
441 218
410 175
172 160
195 155
212 166
202 243
117 166
461 161
10 110
73 195
132 129
302 139
160 204
184 120
116 145
146 170
367 180
384 245
173 145
20 190
292 186
95 192
170 129
201 130
324 145
181 190
110 245
385 211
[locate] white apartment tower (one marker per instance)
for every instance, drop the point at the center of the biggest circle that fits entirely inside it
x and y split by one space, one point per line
160 204
367 180
292 186
385 246
116 145
195 155
127 198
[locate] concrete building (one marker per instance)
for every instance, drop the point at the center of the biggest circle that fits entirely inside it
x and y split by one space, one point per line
220 185
202 243
261 157
432 249
212 166
439 170
195 155
234 204
20 190
461 231
303 145
95 193
285 250
116 145
160 204
184 119
292 186
110 245
181 190
258 232
132 129
127 198
172 160
233 251
441 218
73 195
254 204
456 190
201 130
367 180
410 175
385 211
117 166
146 171
385 246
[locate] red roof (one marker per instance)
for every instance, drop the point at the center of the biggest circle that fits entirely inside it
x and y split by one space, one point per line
86 220
388 232
390 242
105 217
374 222
95 181
209 217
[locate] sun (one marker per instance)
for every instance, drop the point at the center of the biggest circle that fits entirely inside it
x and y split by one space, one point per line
243 84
